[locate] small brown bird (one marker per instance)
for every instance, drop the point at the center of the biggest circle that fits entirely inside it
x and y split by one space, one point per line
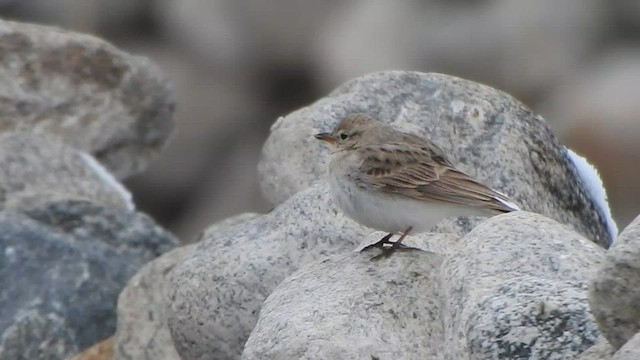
398 182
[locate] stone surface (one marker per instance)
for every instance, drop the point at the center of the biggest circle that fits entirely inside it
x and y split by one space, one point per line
142 331
84 91
349 307
630 350
516 286
215 294
614 293
63 266
600 351
35 170
487 134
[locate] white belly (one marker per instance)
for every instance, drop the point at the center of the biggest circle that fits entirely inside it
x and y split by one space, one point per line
393 214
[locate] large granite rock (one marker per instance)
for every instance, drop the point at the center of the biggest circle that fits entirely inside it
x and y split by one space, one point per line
64 264
600 351
349 307
142 324
84 91
216 293
514 287
630 350
614 293
517 287
36 169
487 133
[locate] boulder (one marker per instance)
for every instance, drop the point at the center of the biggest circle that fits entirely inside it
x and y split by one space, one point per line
142 331
86 92
64 265
486 133
614 293
216 293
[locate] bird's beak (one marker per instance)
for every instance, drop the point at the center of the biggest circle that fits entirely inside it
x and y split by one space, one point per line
325 137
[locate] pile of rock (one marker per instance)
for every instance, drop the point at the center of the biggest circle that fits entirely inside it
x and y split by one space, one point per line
289 285
73 111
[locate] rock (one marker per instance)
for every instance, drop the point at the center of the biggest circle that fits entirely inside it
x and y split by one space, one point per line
630 350
100 351
516 288
35 170
216 293
600 351
387 309
86 92
487 134
142 331
614 294
73 259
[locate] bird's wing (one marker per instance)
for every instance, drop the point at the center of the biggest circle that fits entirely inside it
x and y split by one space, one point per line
421 171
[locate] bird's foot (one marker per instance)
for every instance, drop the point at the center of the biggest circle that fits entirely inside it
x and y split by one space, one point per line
381 243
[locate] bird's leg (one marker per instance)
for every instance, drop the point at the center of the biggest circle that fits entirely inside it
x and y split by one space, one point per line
380 244
396 245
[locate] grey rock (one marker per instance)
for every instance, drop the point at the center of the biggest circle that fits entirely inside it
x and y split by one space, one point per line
349 307
63 266
516 285
142 331
530 317
86 92
600 351
614 293
216 293
35 170
630 350
487 134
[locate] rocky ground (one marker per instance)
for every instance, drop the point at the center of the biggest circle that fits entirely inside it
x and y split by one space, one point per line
85 274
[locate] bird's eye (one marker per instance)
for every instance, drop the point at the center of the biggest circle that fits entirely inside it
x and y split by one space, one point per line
343 136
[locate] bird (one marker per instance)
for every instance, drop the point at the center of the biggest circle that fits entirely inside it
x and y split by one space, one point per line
398 182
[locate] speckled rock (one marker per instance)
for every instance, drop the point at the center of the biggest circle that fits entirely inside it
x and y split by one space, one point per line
63 266
600 351
630 350
614 293
349 307
142 331
215 294
85 91
487 134
35 170
516 286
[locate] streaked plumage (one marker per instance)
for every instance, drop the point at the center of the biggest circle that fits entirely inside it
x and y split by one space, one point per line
390 180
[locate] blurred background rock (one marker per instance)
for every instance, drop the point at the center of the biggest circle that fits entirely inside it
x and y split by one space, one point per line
238 65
